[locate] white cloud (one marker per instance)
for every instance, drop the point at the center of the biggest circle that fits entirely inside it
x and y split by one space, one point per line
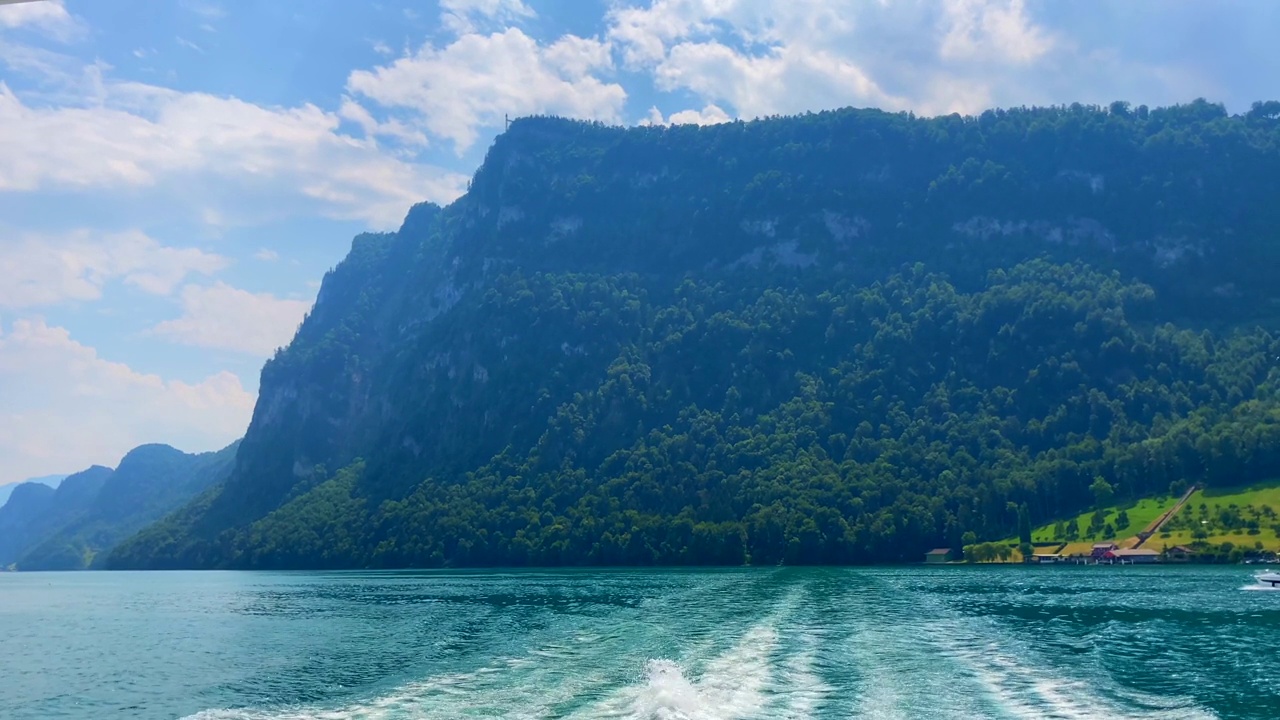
644 33
709 115
476 80
653 117
462 16
40 270
979 29
48 16
576 57
760 57
756 57
227 318
65 408
356 113
786 80
266 255
144 136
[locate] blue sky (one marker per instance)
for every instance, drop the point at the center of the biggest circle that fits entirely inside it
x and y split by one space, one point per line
175 178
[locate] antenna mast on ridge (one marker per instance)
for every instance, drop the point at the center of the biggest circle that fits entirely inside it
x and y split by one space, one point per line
507 118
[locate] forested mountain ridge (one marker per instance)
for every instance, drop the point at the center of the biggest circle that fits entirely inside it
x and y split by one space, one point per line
839 337
50 481
90 512
28 501
35 511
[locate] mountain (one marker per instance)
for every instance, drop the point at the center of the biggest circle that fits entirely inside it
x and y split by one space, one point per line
35 511
27 502
840 337
90 512
48 480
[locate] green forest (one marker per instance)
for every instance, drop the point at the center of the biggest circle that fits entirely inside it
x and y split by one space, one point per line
837 338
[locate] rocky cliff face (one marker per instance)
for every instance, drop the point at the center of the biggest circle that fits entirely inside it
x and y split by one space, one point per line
417 358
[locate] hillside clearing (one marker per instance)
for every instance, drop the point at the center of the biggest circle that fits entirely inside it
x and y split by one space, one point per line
1140 515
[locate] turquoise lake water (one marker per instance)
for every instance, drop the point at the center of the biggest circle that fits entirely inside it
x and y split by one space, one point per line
947 642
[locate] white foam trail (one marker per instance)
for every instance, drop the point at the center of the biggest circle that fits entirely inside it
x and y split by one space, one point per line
804 688
732 685
515 688
1043 692
900 680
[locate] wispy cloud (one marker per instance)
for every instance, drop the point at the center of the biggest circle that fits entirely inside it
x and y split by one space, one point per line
188 44
468 16
222 317
234 158
43 270
205 9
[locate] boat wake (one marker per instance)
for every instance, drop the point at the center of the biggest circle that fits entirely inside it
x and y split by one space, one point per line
1025 684
732 685
561 682
804 658
516 688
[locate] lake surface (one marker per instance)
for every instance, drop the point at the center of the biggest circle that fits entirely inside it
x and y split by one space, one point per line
946 642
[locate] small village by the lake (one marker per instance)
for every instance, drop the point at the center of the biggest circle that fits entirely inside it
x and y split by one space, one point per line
1190 525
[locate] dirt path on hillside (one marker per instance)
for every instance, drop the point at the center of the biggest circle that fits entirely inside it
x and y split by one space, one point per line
1159 522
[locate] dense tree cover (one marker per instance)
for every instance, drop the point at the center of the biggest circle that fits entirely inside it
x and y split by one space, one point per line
1182 195
1226 552
817 422
92 511
988 552
841 337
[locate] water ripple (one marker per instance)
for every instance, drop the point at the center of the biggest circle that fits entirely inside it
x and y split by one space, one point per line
641 645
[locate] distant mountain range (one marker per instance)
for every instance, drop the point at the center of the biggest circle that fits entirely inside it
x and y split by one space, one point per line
43 527
49 480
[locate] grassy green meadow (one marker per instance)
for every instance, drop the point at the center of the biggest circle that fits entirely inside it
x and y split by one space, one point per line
1242 516
1141 514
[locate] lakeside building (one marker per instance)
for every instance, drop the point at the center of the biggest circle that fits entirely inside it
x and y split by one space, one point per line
937 556
1101 549
1132 556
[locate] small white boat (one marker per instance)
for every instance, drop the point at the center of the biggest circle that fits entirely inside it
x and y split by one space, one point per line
1269 578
